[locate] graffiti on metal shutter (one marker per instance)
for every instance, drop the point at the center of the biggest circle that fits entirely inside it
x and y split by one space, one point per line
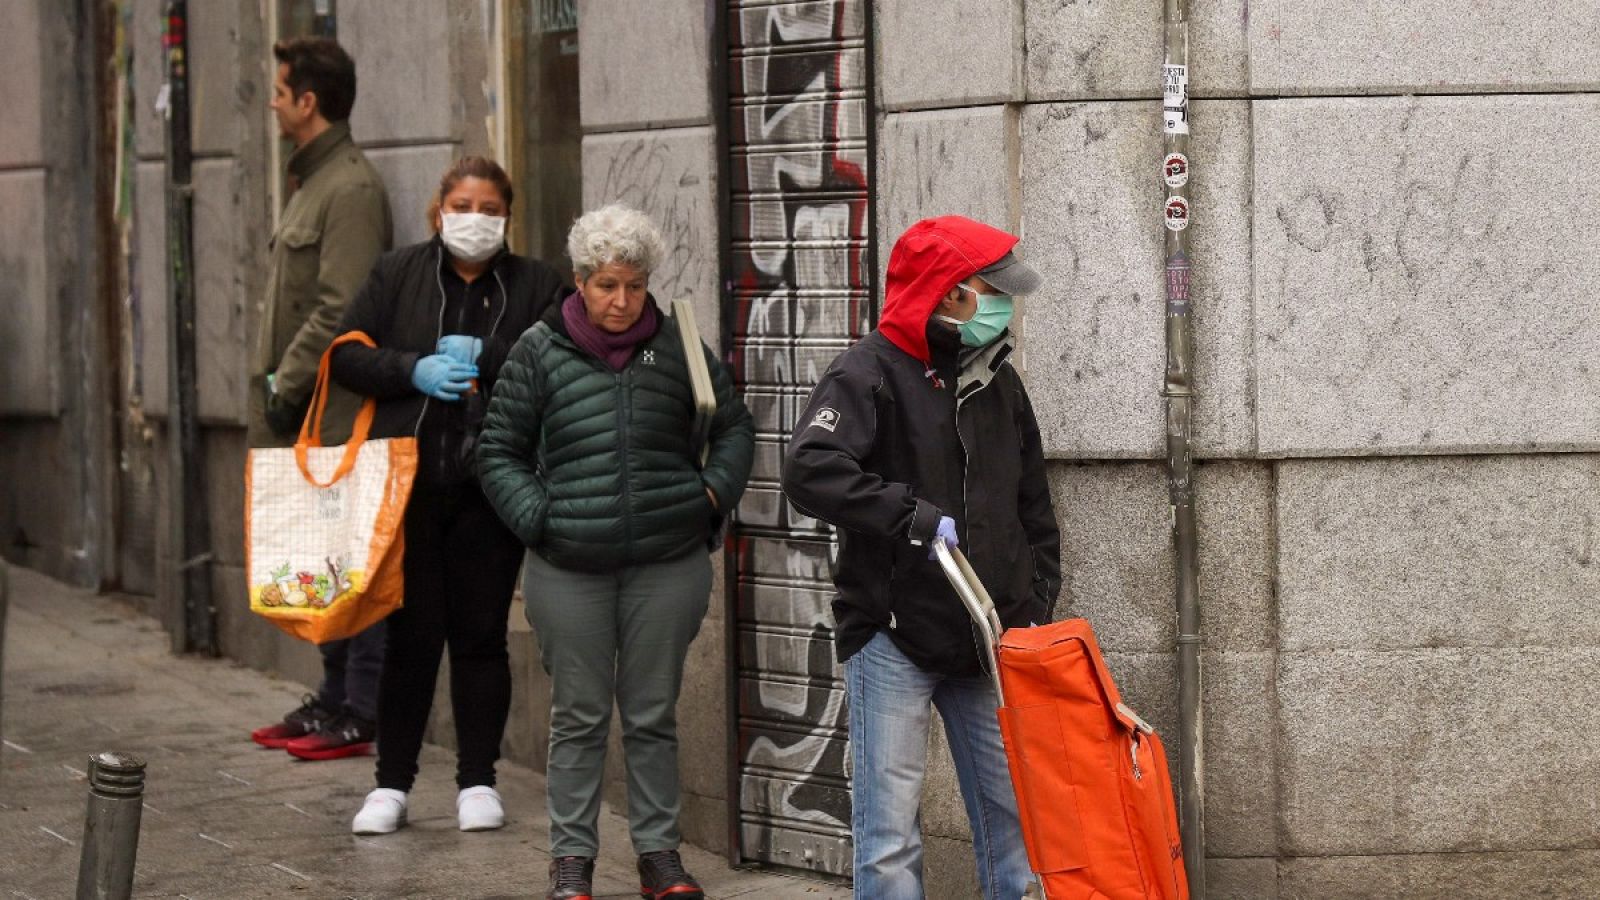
799 293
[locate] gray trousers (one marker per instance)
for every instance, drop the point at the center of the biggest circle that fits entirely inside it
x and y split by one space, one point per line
620 636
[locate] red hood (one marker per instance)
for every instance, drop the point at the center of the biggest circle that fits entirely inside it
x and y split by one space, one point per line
932 257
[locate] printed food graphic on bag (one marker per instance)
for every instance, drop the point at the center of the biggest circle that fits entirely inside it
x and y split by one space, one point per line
316 590
315 543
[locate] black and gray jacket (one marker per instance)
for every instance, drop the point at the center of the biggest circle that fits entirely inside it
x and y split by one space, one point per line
404 307
886 446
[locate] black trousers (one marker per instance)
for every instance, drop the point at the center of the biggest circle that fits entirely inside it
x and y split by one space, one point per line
351 669
461 566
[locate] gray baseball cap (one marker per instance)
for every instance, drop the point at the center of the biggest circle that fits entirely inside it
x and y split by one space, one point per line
1011 275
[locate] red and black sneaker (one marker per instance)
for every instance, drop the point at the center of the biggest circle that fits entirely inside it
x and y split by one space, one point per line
661 877
571 878
308 719
345 735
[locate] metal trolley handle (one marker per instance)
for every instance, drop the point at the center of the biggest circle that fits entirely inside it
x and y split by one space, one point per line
978 603
987 619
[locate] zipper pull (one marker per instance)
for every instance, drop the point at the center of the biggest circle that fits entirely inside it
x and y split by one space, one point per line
1134 753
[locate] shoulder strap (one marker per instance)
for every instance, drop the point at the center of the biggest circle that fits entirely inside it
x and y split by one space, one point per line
311 428
705 396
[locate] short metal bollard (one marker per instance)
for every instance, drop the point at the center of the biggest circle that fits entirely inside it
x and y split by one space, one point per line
111 831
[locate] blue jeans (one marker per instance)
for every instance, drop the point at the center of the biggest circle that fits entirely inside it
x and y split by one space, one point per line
890 699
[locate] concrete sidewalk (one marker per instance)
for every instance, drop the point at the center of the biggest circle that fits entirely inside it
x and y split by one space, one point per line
226 819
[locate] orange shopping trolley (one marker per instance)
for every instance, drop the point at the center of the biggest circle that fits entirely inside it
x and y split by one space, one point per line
1091 776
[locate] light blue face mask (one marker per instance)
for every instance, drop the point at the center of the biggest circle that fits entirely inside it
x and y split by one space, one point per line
989 322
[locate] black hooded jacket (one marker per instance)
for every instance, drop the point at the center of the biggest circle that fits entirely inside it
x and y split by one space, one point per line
405 307
889 442
882 451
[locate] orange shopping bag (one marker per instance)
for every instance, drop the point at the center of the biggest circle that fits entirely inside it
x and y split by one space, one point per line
323 526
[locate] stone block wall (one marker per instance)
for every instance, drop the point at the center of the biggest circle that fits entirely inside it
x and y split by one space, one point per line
1436 233
55 452
1395 349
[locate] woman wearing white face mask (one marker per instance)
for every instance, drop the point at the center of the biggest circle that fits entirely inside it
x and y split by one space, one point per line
444 314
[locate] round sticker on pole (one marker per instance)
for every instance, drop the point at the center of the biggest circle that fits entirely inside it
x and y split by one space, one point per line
1175 170
1177 213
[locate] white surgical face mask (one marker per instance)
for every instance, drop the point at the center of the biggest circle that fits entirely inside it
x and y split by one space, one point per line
472 237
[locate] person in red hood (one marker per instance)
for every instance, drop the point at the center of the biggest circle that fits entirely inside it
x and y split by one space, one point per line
923 432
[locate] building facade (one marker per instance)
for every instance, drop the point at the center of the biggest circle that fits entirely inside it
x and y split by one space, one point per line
1399 443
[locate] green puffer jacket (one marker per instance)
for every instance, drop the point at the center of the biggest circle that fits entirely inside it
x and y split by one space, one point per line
592 468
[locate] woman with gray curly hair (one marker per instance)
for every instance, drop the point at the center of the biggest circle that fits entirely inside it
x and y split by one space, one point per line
588 455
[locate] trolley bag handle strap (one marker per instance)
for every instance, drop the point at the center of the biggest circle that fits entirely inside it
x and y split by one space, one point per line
1122 712
705 394
311 428
1109 692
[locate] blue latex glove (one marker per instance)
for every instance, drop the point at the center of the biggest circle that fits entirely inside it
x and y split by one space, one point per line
442 378
463 348
946 534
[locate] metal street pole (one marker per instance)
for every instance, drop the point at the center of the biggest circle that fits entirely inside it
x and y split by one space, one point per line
187 488
1179 391
111 827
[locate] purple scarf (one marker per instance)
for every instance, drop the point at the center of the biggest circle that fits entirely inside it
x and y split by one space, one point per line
612 349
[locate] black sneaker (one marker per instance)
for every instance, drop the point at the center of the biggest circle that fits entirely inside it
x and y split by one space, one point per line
661 875
345 735
571 878
306 720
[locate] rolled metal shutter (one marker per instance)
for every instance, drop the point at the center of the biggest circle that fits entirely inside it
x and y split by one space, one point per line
798 290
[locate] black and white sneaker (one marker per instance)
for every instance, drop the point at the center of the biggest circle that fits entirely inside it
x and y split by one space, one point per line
306 720
345 735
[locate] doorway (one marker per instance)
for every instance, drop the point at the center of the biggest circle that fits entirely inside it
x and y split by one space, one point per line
544 133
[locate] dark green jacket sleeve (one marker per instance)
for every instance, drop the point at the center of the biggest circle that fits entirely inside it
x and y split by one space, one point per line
508 449
733 438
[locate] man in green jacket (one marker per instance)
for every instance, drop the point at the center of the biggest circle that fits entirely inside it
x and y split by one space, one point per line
333 230
335 226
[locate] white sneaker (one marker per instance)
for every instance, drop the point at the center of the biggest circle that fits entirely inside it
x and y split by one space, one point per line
383 812
479 809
